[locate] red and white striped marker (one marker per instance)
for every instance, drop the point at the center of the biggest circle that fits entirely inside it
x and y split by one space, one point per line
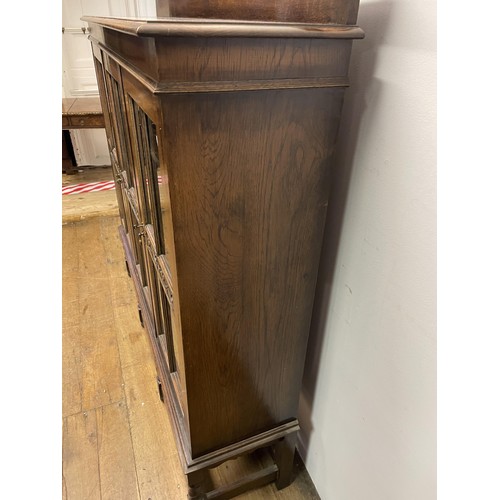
88 187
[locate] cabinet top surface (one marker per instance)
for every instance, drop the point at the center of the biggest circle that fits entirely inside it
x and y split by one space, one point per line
191 27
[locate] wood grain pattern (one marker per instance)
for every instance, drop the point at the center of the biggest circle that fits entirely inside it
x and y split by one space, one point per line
311 11
101 374
70 274
206 28
250 60
71 356
225 59
71 366
250 481
91 364
192 60
118 479
247 301
80 457
202 84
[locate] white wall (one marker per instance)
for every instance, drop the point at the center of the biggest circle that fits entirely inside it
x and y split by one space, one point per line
369 397
78 72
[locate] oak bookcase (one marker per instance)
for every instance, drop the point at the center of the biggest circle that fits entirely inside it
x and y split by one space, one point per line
221 133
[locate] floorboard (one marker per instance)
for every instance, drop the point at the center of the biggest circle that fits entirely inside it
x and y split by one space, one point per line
118 478
81 478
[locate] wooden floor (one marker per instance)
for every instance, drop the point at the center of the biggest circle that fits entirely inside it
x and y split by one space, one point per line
77 207
117 440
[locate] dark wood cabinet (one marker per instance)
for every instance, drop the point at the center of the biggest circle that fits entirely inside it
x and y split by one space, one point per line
221 135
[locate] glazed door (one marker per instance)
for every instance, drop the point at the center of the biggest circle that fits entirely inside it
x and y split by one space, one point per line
131 118
157 248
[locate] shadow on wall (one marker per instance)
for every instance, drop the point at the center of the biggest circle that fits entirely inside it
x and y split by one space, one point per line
363 93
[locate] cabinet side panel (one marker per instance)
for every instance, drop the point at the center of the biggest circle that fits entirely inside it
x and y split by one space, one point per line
249 176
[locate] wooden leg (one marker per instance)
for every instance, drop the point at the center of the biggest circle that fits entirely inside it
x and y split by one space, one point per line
196 483
284 456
